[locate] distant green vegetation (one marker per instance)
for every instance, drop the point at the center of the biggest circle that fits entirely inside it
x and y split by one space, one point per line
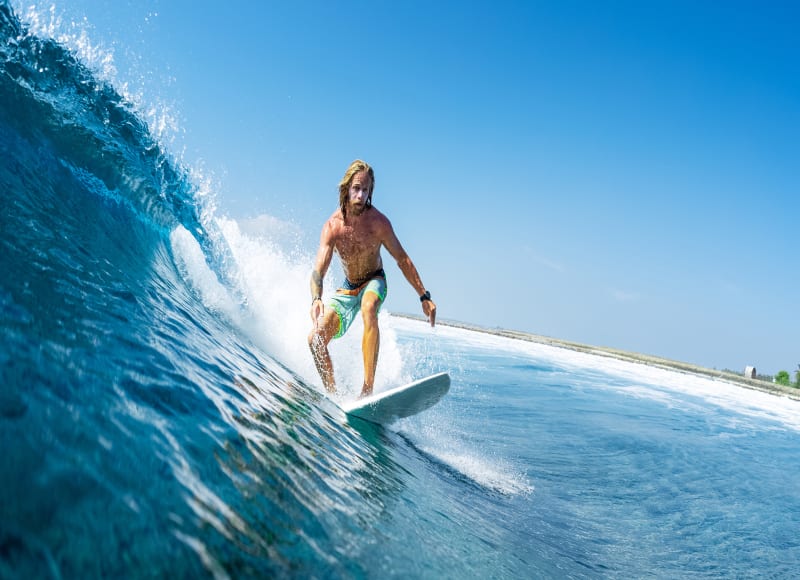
782 378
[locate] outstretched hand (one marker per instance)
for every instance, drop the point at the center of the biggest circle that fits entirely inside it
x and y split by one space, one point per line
429 308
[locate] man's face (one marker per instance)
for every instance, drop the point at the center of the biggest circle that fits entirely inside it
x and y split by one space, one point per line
359 192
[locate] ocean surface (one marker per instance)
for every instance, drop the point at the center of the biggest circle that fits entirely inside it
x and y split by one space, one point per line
160 415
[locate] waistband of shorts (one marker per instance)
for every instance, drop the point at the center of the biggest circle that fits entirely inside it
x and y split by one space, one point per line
348 285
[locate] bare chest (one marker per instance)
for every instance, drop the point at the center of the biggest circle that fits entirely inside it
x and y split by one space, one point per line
358 246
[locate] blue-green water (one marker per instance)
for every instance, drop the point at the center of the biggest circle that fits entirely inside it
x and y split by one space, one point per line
160 415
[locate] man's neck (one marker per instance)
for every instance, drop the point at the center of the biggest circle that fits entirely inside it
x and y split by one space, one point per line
351 215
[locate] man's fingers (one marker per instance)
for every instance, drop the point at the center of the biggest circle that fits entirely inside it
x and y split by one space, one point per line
432 315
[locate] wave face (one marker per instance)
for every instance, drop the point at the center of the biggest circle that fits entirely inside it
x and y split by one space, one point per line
141 429
156 410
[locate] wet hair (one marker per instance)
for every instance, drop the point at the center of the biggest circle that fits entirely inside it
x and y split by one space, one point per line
344 186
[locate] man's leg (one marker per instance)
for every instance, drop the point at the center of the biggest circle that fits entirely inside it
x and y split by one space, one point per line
318 341
370 344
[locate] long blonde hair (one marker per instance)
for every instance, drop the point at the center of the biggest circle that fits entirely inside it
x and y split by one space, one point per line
344 185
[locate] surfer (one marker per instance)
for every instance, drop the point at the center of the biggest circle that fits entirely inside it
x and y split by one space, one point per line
356 231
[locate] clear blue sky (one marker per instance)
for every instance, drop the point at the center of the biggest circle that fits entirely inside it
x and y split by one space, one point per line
616 173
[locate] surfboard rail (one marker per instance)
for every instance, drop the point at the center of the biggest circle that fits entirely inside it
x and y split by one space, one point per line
400 402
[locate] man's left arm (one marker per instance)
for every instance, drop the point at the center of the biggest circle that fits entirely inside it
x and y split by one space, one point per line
408 269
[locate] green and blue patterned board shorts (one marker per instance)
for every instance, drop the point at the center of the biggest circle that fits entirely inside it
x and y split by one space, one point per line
347 301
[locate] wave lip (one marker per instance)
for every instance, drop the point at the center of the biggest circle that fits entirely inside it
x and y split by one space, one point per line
54 98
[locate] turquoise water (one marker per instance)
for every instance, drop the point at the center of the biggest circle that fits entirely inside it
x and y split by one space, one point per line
160 415
635 471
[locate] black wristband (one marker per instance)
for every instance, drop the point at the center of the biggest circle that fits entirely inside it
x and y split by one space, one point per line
426 296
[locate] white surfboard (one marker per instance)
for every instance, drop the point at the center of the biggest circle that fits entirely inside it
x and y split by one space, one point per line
388 406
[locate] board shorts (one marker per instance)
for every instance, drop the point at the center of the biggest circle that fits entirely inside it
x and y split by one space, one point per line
347 300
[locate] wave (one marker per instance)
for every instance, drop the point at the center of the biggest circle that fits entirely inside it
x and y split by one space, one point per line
143 429
158 405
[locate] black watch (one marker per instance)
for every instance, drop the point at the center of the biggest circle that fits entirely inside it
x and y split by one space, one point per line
426 296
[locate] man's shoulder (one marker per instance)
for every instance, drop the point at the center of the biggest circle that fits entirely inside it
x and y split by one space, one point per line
333 225
335 220
378 217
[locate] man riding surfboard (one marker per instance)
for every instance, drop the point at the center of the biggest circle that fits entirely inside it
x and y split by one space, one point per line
357 231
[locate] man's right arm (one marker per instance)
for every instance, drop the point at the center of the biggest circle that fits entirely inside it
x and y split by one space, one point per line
321 264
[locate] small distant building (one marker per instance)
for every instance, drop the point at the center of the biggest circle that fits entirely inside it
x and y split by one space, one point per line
750 372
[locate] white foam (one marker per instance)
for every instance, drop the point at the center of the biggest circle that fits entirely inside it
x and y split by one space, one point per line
641 380
490 472
193 266
141 91
273 275
432 436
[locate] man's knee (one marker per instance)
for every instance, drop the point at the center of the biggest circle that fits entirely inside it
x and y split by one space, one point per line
324 332
369 307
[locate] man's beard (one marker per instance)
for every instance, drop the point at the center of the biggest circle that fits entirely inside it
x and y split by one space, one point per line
358 208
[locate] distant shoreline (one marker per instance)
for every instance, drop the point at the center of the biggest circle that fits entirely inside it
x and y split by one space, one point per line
653 361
